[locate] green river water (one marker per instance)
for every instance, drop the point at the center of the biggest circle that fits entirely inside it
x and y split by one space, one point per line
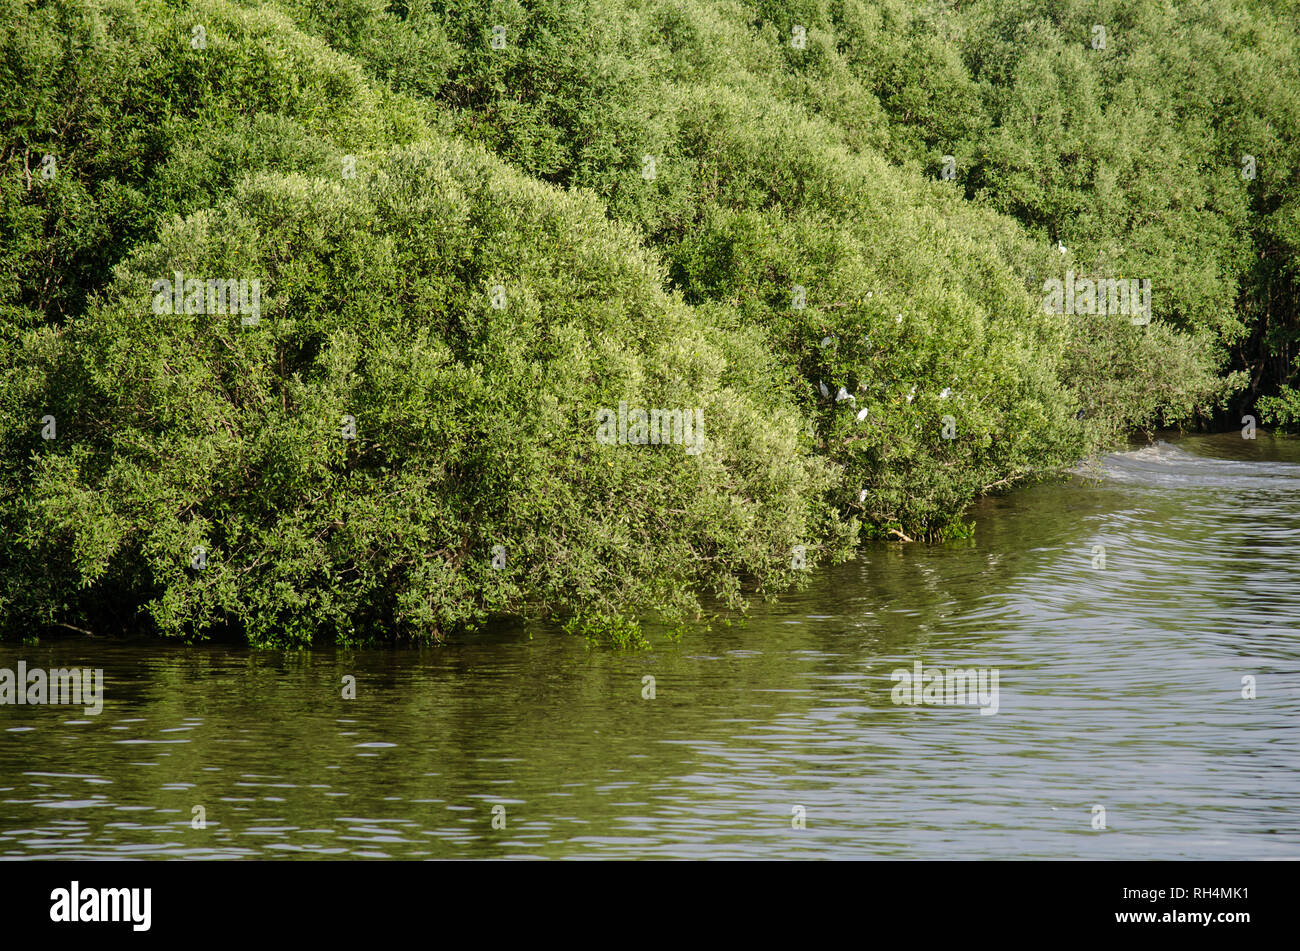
1120 687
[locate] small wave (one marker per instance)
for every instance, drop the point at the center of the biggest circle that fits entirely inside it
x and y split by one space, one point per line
1169 465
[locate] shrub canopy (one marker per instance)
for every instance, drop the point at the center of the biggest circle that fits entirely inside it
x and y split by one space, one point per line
474 226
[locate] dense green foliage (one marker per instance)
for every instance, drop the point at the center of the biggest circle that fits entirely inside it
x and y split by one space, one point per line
563 205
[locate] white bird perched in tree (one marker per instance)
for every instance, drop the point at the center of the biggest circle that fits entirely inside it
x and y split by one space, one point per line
843 395
862 414
825 392
1060 247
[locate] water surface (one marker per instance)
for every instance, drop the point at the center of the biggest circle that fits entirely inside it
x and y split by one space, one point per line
1120 686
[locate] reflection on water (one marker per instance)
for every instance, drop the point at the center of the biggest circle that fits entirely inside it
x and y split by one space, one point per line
1120 686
